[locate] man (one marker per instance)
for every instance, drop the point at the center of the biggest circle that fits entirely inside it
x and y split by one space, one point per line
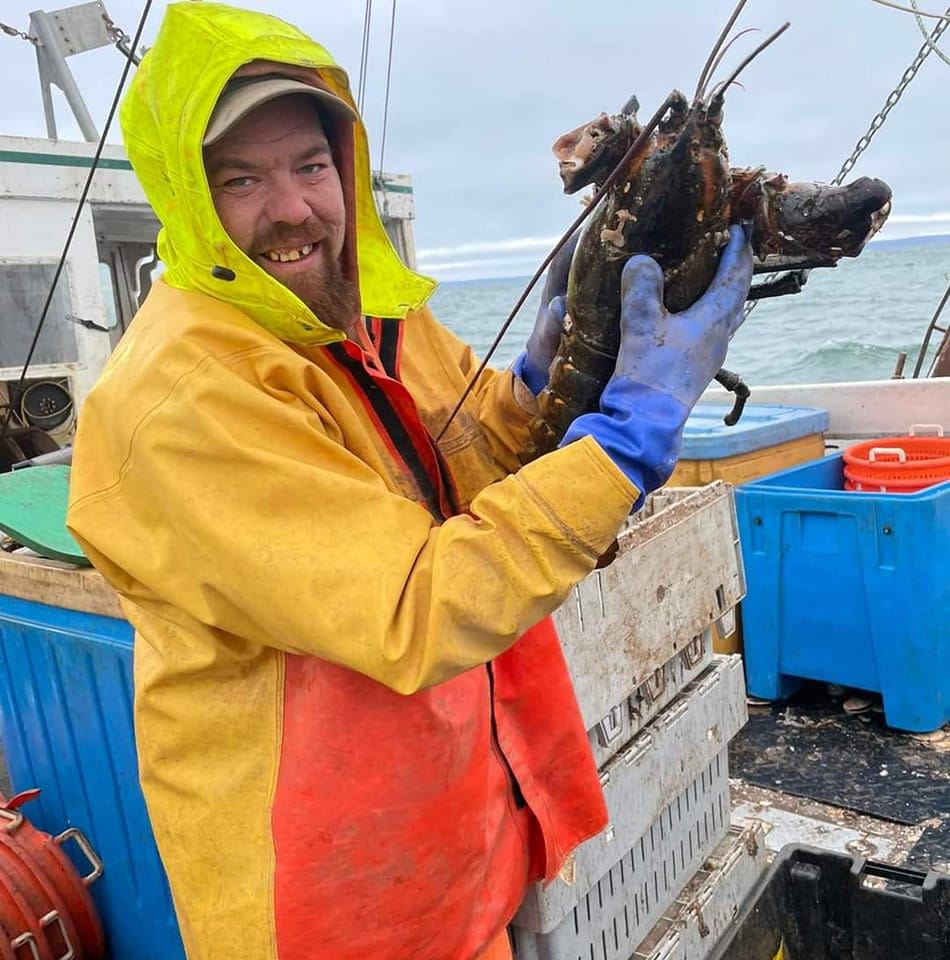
357 736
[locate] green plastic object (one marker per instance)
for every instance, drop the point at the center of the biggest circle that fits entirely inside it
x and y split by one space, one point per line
33 512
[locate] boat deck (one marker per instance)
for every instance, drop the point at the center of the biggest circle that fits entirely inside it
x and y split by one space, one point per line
817 775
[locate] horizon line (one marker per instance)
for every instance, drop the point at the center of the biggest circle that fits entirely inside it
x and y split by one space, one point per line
471 264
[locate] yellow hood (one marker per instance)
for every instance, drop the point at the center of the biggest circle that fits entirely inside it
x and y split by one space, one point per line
164 116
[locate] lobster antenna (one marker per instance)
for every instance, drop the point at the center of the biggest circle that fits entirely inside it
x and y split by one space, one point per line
722 87
722 54
632 151
704 76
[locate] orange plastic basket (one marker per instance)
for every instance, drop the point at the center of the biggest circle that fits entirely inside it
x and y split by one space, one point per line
898 464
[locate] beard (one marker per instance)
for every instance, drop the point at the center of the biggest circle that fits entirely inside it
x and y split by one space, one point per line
333 297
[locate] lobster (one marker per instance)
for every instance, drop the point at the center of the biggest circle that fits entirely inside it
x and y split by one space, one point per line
666 189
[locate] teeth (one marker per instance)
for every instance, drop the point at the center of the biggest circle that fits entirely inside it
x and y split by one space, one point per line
283 256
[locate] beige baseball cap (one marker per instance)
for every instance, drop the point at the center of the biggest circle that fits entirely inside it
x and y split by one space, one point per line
243 94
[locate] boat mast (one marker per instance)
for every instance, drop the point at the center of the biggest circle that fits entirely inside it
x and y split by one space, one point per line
59 34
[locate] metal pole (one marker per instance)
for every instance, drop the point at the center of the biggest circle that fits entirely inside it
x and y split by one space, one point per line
53 68
941 367
48 107
933 326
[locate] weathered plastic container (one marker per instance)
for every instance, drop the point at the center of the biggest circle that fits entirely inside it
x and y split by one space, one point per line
624 722
66 727
848 588
668 801
678 571
618 912
817 904
768 438
704 912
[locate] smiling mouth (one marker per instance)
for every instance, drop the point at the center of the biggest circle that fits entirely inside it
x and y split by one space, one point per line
289 254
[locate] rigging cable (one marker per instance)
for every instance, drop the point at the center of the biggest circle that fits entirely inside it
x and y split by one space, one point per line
364 56
75 222
389 70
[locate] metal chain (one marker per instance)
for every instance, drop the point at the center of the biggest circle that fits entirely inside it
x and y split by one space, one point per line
876 123
120 38
893 98
13 32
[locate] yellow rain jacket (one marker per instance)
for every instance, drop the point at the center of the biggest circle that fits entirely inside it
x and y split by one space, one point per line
357 737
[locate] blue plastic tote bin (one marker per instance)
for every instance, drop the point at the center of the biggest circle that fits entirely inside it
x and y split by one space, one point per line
66 727
769 437
848 588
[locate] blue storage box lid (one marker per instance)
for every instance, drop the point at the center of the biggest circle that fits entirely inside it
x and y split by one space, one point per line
762 425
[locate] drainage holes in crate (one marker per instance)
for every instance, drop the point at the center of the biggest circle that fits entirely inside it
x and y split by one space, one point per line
611 920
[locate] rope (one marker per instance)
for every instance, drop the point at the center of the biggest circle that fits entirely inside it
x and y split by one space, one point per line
912 9
75 223
929 40
389 70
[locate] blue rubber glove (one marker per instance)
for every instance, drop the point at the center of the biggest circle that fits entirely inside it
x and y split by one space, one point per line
534 362
666 361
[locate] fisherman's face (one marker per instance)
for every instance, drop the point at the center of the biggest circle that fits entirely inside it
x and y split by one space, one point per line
278 194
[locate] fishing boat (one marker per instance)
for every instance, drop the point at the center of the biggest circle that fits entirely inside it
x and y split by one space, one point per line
815 756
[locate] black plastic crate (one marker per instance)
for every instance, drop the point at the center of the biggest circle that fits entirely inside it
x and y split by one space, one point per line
817 905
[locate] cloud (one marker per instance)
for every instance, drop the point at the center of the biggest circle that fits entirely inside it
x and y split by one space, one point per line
513 245
501 263
942 216
444 257
519 256
515 256
477 141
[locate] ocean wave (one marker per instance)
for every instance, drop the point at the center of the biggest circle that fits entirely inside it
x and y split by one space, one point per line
848 324
834 359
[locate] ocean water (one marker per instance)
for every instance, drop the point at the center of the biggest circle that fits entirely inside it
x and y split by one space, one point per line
848 323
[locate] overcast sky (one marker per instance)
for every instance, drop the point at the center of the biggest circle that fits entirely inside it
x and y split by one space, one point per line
480 90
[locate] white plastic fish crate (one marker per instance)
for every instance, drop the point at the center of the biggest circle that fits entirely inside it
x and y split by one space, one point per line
625 721
703 912
678 571
667 798
618 912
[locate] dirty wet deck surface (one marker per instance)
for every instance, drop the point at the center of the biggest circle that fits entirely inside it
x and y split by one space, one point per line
820 776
